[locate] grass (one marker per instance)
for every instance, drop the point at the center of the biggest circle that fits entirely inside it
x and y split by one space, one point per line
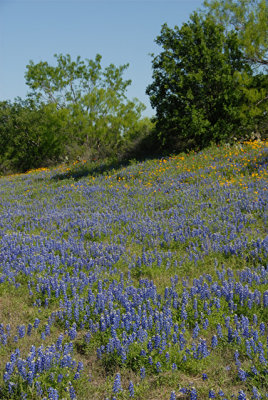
149 261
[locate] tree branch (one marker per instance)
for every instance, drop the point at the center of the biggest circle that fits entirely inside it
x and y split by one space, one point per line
260 101
257 60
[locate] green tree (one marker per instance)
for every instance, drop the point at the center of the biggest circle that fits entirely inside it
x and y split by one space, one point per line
142 142
197 85
249 18
100 115
30 137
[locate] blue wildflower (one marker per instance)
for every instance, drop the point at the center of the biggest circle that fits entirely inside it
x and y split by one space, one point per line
172 396
158 366
131 389
117 384
241 395
211 394
193 394
242 374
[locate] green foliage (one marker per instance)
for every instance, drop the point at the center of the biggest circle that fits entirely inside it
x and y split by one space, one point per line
255 106
201 86
249 18
100 117
30 136
209 85
142 143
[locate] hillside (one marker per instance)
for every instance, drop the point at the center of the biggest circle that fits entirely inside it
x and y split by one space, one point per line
144 282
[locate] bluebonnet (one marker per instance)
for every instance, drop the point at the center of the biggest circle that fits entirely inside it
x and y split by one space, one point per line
47 330
39 388
142 372
255 393
39 362
230 334
8 329
211 394
87 337
72 332
205 324
236 357
248 348
172 396
214 341
158 366
131 389
11 386
72 392
254 370
183 313
242 374
59 342
204 377
184 390
30 377
193 394
265 299
4 339
262 328
262 359
21 330
6 377
182 341
202 350
80 366
195 330
53 394
241 395
117 384
29 329
219 330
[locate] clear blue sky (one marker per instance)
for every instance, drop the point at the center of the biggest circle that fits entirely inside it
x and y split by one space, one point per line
121 31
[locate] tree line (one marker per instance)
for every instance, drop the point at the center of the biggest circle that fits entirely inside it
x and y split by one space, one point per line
209 85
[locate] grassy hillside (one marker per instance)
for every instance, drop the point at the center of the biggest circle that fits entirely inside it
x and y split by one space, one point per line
146 282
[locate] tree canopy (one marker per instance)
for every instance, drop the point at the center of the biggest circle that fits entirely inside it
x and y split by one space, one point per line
199 85
249 19
30 136
101 117
210 84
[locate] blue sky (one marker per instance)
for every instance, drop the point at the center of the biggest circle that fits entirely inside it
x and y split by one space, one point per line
121 31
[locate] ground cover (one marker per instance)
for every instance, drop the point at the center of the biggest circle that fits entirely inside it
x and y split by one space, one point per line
146 282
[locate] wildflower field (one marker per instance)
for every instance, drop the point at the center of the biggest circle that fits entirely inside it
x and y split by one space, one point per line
146 282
